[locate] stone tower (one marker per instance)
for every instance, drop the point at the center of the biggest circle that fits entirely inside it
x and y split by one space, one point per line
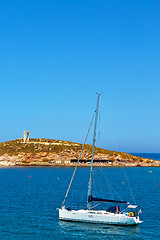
26 136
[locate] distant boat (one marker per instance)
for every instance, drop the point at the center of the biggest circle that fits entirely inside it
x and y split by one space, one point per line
112 215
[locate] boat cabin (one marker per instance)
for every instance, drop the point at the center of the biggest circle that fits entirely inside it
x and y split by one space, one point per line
113 209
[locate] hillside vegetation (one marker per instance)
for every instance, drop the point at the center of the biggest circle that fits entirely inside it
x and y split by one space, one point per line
56 152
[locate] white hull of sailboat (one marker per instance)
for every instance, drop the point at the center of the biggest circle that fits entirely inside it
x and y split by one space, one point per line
98 216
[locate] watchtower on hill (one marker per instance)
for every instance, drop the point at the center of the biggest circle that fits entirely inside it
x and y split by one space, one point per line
26 136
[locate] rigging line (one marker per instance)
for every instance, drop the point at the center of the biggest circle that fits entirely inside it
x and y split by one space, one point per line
109 184
99 184
98 126
78 160
110 127
114 139
93 186
124 210
96 205
105 178
129 186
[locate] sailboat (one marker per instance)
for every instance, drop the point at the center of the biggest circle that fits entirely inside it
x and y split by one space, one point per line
112 215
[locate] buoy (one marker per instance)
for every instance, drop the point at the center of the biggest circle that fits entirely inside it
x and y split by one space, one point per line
58 178
122 182
29 176
150 171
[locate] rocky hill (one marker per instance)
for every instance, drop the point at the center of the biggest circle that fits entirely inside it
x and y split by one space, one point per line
49 152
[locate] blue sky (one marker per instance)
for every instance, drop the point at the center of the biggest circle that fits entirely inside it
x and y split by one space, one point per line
55 56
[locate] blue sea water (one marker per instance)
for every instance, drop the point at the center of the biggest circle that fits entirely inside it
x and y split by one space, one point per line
155 156
29 198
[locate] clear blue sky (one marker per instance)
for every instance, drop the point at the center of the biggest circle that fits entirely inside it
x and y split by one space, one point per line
54 57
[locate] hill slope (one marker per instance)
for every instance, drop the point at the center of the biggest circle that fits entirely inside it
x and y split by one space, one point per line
49 152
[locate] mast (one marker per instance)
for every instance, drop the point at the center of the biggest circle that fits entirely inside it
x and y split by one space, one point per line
94 140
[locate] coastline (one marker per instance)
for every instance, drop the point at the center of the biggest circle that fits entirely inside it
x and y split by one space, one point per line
58 153
119 165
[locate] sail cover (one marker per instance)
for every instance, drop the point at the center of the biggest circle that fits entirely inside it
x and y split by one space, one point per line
93 199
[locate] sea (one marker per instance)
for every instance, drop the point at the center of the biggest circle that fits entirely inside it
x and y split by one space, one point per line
30 198
155 156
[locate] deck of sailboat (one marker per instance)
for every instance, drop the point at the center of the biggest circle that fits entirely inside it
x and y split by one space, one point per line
86 211
97 216
92 211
